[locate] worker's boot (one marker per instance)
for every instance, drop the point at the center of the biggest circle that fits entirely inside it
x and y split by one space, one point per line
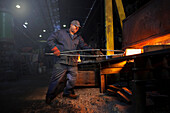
48 100
72 96
70 93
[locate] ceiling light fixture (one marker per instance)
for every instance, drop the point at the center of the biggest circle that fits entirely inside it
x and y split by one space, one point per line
64 25
24 26
26 23
40 36
44 30
18 6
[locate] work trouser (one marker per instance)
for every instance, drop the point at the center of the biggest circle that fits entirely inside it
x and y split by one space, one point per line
63 78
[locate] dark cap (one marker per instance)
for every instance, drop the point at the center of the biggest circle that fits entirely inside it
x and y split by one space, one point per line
76 23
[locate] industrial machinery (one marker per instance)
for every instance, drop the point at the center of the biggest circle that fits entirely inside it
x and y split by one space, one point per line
146 63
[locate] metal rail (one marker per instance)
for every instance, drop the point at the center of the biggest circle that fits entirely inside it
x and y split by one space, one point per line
85 55
85 50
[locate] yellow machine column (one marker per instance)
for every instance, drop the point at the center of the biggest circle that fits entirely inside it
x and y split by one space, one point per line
120 11
109 26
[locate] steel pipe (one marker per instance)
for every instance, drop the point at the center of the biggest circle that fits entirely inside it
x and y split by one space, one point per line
85 50
84 55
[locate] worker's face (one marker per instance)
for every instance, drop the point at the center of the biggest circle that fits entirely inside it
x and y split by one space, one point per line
74 28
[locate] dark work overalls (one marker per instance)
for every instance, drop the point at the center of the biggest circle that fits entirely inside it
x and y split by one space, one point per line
65 69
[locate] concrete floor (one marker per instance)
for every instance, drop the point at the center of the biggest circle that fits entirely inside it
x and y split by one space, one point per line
27 94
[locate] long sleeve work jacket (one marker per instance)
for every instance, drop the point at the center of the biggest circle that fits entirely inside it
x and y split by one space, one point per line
65 42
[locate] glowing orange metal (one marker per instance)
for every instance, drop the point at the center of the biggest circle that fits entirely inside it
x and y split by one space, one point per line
126 89
123 96
133 51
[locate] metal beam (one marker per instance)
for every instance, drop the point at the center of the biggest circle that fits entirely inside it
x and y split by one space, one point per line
120 11
109 26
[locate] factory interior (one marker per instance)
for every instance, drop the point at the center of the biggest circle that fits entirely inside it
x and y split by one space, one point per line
127 71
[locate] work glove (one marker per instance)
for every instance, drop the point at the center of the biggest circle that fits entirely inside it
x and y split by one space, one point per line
56 51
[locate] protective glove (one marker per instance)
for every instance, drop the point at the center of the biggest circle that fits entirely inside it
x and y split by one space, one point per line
56 51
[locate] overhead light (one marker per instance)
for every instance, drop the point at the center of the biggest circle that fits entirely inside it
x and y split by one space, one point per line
40 36
26 23
64 25
24 26
18 6
43 41
44 30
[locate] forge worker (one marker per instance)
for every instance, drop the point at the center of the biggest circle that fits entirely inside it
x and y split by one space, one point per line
65 68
